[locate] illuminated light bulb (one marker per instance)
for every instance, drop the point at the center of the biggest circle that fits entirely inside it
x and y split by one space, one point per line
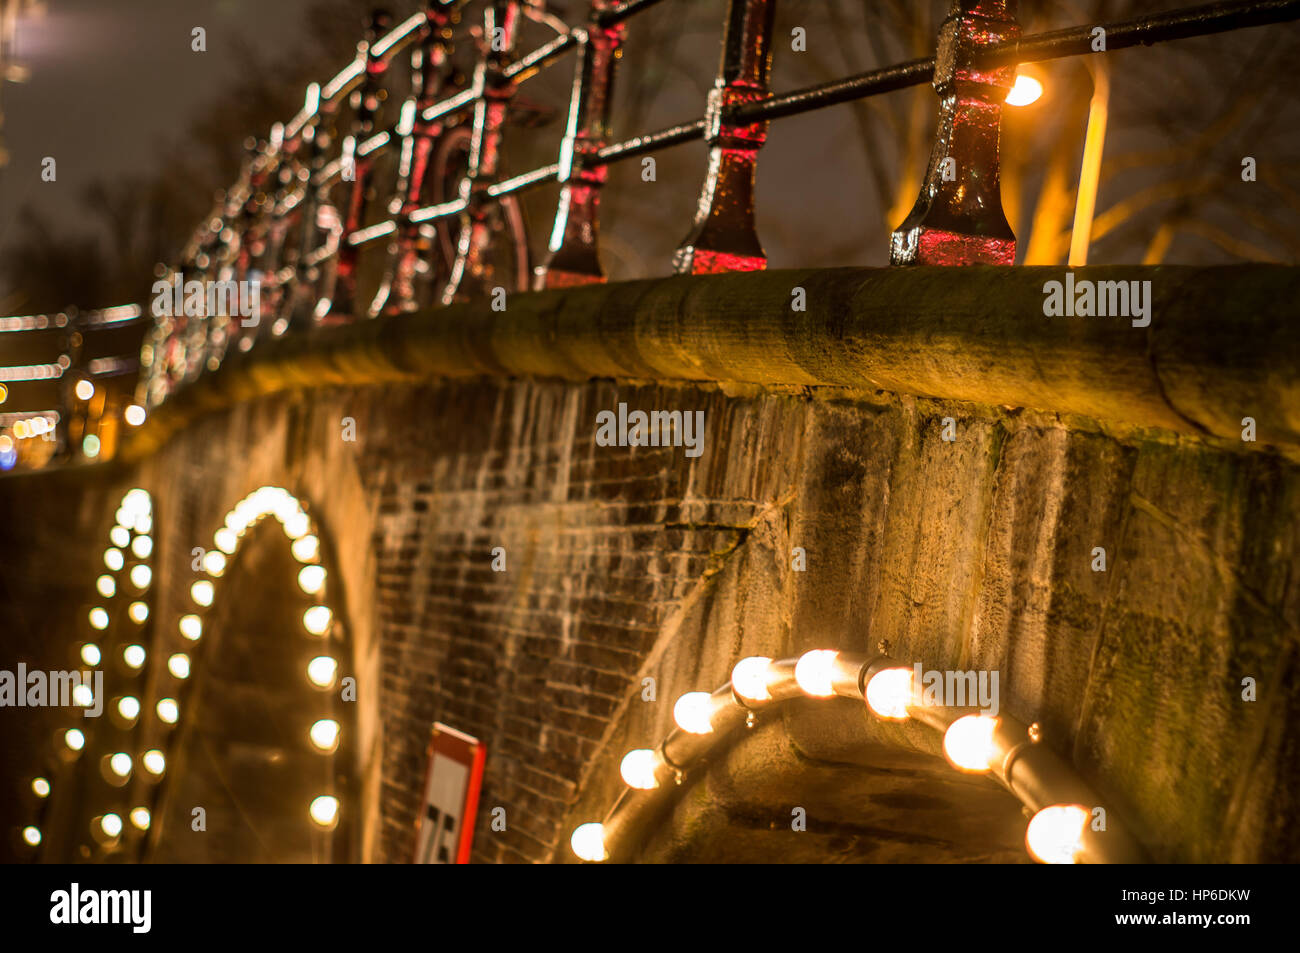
305 548
106 586
889 692
111 825
85 389
128 706
113 559
214 562
191 627
40 787
325 735
179 665
324 811
90 654
83 696
133 655
1055 834
141 575
119 535
32 836
639 768
297 525
968 743
74 739
316 620
154 762
320 671
285 505
588 842
98 618
226 541
143 524
90 445
1026 90
815 672
168 711
749 679
138 612
140 818
134 415
311 579
694 713
142 546
120 764
201 592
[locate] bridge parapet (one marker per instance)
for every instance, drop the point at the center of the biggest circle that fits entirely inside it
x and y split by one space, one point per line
1216 348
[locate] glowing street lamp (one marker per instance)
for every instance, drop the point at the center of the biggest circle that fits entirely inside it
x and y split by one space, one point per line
1028 88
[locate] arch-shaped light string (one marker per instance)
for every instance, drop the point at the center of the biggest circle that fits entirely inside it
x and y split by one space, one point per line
1062 803
318 619
130 541
135 515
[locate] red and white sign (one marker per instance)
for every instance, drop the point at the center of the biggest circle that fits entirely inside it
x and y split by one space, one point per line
451 789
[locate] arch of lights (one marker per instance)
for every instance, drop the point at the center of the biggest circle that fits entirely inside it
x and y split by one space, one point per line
131 537
1063 826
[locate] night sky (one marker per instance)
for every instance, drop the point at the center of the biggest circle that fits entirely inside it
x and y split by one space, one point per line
111 81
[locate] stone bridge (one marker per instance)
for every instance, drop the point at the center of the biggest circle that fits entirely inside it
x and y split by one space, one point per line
920 462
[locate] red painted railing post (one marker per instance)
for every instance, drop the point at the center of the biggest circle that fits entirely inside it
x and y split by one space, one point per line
409 253
574 247
300 302
958 218
724 237
471 274
342 304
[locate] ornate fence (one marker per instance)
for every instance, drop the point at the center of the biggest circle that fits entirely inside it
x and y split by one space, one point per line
284 247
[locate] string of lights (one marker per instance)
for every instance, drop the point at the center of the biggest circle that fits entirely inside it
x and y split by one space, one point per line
1069 822
131 534
130 537
318 619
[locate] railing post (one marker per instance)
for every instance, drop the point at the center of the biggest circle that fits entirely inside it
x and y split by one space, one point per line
397 294
724 237
574 247
342 305
494 91
301 301
252 231
267 264
958 218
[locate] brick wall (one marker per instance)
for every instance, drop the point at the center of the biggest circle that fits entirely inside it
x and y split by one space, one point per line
627 563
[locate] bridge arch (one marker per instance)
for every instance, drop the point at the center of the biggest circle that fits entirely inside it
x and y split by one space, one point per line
1068 821
150 691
